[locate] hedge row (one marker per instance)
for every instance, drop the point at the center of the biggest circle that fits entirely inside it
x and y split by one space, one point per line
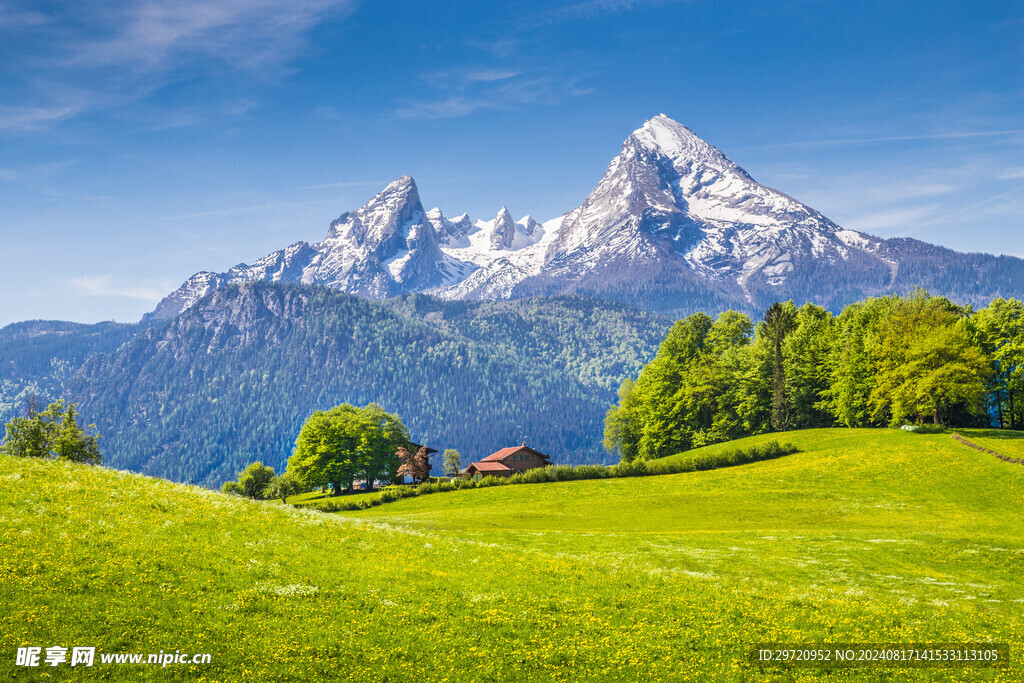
637 468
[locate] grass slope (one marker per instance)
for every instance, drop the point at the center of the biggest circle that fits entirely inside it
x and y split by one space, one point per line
1001 441
863 536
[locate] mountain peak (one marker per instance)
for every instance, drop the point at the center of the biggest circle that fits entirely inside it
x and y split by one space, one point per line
672 139
673 224
504 231
404 187
383 223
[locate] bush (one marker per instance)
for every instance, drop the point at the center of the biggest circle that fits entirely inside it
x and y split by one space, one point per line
636 468
591 472
726 457
928 429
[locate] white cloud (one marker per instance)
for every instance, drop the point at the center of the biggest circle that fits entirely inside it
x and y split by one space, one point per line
587 9
892 220
161 36
20 19
101 54
501 48
106 286
33 118
512 90
949 135
326 112
461 78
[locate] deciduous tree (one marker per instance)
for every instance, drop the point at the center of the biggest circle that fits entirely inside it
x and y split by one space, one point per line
254 480
345 443
415 465
283 486
52 433
451 462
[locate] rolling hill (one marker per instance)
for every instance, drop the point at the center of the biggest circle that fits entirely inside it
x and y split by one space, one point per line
870 536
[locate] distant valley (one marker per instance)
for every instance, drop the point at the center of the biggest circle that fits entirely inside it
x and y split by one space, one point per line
231 379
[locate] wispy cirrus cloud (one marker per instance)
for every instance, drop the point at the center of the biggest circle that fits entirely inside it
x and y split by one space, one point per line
587 9
248 34
1012 174
20 18
948 135
34 177
500 47
27 118
465 92
461 78
102 54
108 286
973 194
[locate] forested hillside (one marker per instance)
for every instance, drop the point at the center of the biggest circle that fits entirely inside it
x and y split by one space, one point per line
37 357
230 380
885 361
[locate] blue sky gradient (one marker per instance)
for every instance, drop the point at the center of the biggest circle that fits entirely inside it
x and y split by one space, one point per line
144 141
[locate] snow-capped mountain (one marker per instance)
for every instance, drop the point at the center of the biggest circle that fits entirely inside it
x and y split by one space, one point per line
674 225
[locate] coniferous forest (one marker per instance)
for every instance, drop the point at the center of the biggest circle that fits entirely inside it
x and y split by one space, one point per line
886 361
38 356
231 380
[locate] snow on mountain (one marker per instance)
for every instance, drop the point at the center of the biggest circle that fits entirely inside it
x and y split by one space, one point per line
674 225
506 252
671 195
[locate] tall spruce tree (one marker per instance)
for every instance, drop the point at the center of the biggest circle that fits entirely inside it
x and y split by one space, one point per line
779 322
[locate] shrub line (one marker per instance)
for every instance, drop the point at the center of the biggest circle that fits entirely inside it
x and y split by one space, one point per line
971 444
637 468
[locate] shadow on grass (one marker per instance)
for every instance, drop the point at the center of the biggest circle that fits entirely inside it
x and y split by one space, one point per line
994 434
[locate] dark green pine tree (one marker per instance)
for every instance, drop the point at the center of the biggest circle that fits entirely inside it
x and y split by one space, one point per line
779 322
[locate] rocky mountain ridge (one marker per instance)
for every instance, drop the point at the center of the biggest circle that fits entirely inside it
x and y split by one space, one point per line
674 226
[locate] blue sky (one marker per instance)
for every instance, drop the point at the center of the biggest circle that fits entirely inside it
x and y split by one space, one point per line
143 141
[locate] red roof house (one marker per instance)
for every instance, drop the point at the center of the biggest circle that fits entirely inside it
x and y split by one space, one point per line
508 461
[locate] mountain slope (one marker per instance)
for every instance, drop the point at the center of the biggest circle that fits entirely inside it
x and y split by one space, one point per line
231 379
37 357
673 210
674 226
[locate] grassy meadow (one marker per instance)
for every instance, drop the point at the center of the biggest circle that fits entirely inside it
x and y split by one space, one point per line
863 536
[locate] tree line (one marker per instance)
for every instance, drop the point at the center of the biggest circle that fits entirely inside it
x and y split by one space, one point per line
53 433
881 362
336 448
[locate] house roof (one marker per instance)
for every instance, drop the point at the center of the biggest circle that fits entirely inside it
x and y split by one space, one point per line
489 467
505 452
416 447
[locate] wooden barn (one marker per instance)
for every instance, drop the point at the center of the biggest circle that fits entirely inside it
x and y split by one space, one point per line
507 461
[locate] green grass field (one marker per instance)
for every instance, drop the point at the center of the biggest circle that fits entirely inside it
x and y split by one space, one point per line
869 536
999 440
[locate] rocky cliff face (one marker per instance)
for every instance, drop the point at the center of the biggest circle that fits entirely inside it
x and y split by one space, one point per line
673 226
